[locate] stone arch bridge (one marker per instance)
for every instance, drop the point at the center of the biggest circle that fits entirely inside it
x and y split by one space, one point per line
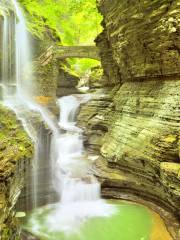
63 52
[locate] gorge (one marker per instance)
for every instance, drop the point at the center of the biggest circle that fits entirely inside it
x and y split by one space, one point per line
120 139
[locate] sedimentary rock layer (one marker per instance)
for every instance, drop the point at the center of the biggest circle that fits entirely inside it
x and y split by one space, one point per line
142 37
137 124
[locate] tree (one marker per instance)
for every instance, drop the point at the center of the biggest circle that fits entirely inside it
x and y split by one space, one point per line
77 22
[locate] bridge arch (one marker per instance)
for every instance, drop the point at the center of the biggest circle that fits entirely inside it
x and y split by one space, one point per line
63 52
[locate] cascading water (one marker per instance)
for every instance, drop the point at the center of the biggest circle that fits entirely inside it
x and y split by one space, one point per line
16 82
8 72
5 51
23 56
66 160
71 160
78 190
16 58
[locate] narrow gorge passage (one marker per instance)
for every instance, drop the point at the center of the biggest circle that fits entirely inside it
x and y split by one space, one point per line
81 213
89 120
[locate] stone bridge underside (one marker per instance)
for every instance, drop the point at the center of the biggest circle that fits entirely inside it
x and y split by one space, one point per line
63 52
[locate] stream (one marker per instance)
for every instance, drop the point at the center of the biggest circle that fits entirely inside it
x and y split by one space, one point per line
81 214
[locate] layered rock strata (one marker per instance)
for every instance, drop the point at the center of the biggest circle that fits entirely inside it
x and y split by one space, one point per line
136 129
141 38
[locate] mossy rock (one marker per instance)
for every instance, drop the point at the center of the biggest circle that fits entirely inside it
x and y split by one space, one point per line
171 168
15 143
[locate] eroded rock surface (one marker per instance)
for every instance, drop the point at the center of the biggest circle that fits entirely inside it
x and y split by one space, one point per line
16 151
142 36
66 83
137 128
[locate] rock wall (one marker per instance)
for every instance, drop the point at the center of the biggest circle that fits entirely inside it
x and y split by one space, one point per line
142 36
16 152
66 83
137 124
38 189
45 68
50 80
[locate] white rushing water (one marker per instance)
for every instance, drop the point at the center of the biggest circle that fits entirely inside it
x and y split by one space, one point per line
5 50
16 56
8 80
17 75
71 163
23 56
77 189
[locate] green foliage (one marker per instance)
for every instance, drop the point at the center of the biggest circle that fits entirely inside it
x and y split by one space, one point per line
77 22
96 73
82 65
15 144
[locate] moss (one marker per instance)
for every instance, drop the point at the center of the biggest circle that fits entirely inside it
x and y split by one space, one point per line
170 177
15 144
171 138
45 86
171 168
9 229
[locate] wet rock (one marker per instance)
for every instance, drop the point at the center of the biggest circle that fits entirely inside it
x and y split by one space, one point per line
134 126
66 83
16 151
140 39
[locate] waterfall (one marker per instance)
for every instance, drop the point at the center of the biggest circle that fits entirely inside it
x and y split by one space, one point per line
68 108
78 190
8 83
22 55
16 83
5 51
73 182
16 71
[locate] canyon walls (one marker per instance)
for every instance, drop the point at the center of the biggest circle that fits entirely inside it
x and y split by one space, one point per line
133 122
142 37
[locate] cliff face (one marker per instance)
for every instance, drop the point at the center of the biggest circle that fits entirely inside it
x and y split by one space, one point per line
142 37
16 152
66 83
52 80
137 129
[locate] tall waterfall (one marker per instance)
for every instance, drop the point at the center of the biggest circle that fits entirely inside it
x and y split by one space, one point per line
59 154
16 58
22 55
5 52
16 82
8 58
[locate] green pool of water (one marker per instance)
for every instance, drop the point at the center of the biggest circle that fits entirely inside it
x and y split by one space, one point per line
128 222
